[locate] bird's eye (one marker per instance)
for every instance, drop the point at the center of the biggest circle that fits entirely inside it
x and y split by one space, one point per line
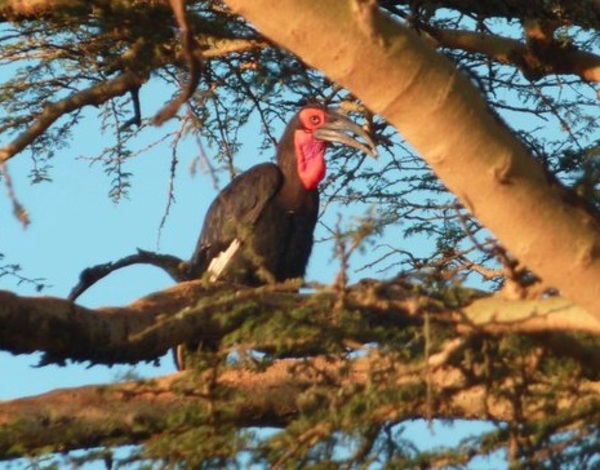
314 119
311 118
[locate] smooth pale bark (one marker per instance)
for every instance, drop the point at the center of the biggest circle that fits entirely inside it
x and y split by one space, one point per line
441 113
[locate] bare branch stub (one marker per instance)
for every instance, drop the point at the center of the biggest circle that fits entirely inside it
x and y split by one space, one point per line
175 267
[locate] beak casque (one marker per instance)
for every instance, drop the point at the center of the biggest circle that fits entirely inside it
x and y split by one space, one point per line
340 129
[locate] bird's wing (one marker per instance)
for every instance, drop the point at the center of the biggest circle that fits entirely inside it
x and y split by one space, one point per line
232 215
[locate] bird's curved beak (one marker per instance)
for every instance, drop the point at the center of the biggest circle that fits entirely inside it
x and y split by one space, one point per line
340 129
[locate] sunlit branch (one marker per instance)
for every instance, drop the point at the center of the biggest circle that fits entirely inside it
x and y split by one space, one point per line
147 328
133 411
16 9
95 95
219 47
572 12
557 60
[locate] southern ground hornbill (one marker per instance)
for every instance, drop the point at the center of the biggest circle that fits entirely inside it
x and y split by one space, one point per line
259 229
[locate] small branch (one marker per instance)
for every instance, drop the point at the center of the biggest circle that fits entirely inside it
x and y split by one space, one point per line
193 62
219 47
556 60
94 95
175 267
443 357
171 186
136 119
18 209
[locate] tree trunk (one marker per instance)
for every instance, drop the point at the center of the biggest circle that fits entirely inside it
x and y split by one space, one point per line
443 115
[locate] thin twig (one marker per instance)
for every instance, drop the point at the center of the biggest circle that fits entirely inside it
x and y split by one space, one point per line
18 209
94 95
175 267
193 63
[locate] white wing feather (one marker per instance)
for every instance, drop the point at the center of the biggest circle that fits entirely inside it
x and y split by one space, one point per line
219 263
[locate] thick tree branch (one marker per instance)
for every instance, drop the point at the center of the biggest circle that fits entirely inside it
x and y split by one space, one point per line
95 95
555 60
505 187
35 9
497 315
106 335
584 13
140 410
147 328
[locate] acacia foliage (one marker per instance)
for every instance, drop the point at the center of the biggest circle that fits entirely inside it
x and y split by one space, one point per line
535 64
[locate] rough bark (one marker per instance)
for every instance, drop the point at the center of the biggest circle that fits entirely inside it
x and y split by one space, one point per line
147 328
130 412
445 118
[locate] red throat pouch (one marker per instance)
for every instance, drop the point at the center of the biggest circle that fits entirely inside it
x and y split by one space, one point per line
310 159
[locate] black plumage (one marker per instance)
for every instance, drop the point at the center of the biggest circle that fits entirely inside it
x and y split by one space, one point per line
260 228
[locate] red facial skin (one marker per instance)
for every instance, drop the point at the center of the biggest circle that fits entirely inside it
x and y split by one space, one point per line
310 151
